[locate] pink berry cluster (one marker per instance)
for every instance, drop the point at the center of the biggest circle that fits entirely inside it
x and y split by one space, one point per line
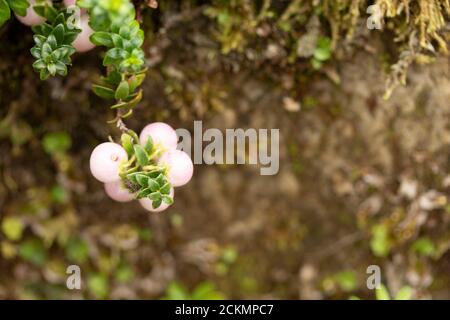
146 168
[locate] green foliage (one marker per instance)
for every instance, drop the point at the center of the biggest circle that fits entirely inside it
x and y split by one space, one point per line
53 42
382 293
12 228
204 291
116 28
380 243
141 175
17 6
424 247
56 142
33 251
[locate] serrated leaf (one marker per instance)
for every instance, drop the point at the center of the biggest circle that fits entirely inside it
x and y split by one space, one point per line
141 155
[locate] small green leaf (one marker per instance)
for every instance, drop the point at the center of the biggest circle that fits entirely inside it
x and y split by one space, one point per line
165 189
5 12
12 228
127 143
122 91
404 293
142 180
103 92
156 203
141 155
155 196
101 38
58 33
56 142
149 145
19 7
382 293
153 185
167 199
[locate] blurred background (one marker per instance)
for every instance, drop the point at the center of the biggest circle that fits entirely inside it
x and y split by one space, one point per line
364 158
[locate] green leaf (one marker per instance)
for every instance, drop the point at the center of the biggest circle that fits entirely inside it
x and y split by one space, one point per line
12 228
127 143
19 7
167 199
98 285
424 247
5 12
404 293
142 180
165 189
77 250
149 145
382 293
101 38
135 81
323 49
58 33
155 196
380 243
33 251
153 185
56 142
141 155
122 91
103 92
156 203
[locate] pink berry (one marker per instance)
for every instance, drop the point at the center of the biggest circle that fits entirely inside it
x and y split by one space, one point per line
179 165
105 161
82 42
147 204
31 18
69 3
162 134
118 192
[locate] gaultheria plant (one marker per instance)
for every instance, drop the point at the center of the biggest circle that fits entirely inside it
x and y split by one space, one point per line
145 168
